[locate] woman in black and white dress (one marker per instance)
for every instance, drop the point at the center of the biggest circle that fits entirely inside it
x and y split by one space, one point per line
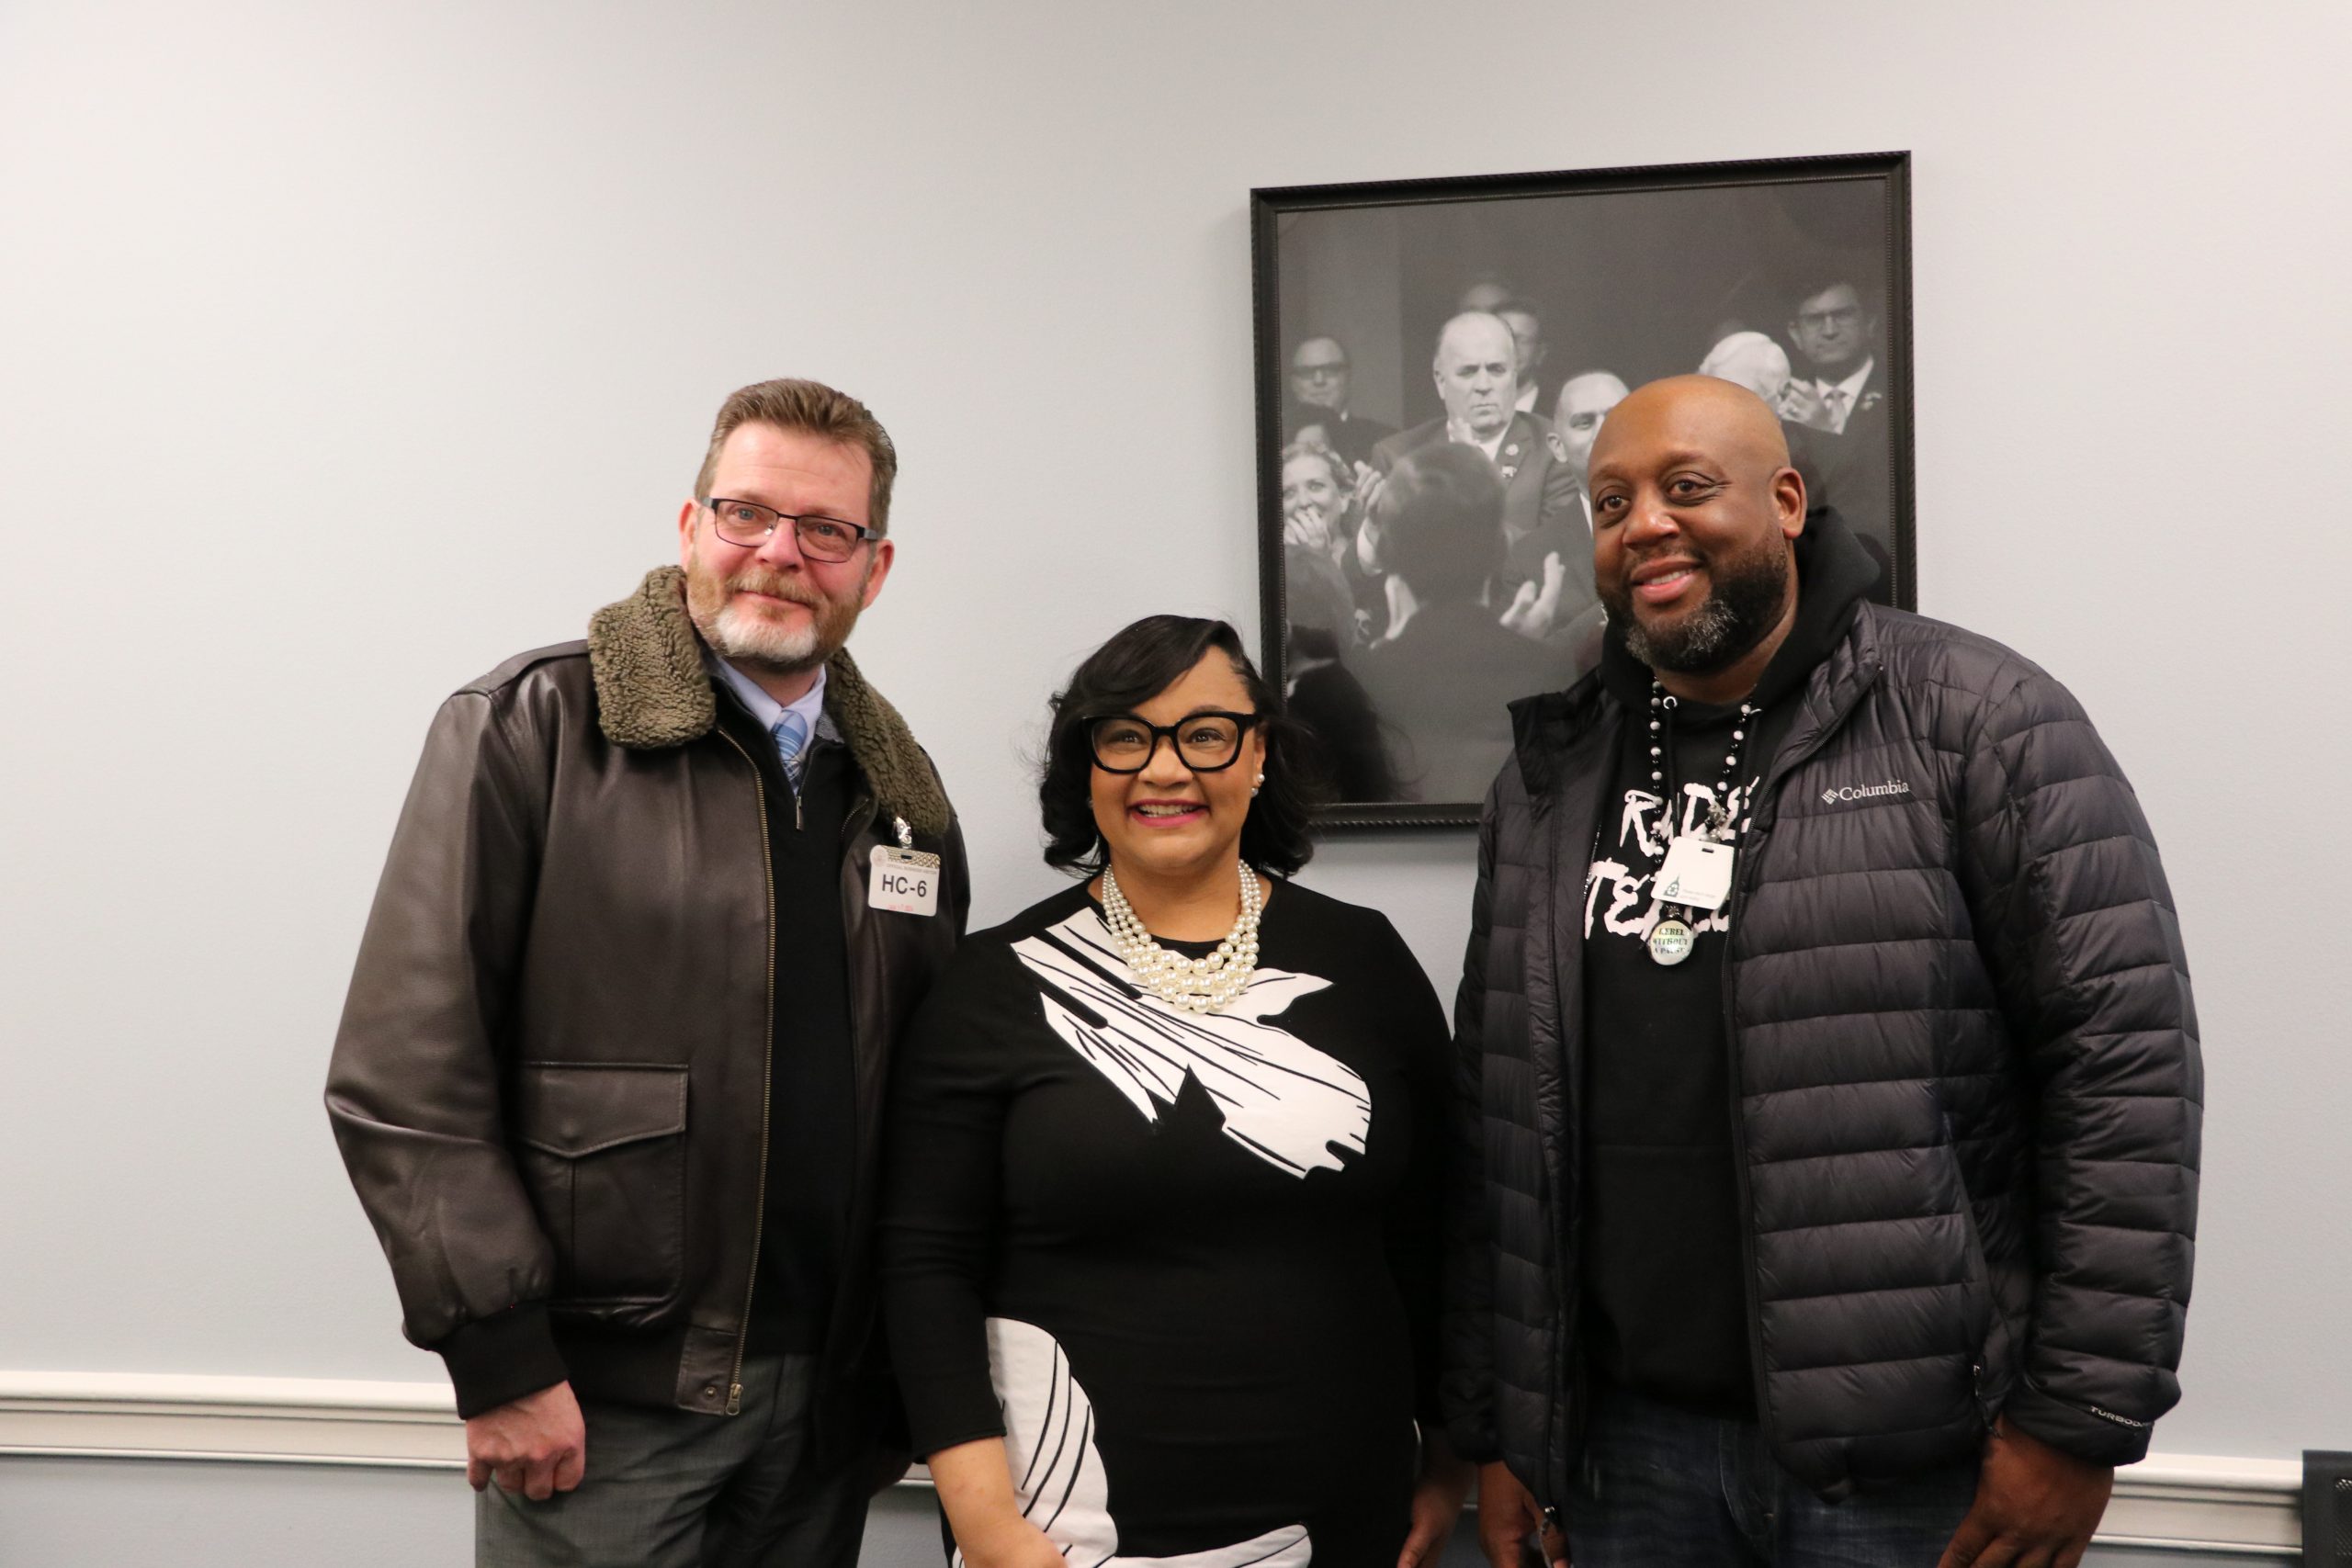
1159 1230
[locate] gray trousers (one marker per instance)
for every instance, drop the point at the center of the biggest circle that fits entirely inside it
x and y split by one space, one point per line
673 1489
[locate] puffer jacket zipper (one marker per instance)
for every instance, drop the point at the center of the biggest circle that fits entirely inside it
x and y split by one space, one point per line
1744 883
1567 1369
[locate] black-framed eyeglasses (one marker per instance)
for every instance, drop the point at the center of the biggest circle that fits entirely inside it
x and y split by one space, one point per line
749 525
1206 742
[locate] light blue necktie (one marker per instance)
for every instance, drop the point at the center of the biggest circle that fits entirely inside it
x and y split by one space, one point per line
791 736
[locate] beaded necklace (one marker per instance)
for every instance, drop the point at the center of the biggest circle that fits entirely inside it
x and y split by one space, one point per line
1189 985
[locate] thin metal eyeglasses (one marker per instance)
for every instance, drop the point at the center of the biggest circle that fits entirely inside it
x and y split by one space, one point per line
1844 316
1206 742
748 524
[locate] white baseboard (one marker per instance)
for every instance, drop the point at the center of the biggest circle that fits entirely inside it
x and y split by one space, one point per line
265 1420
2167 1503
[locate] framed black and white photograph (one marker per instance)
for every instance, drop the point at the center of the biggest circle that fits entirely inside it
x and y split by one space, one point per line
1506 315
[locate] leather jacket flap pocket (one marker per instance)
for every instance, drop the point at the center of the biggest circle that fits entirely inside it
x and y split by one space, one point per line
571 1110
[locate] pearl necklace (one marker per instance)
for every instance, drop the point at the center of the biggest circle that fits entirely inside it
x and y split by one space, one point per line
1188 985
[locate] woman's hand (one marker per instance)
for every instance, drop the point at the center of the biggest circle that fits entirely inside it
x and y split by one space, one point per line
1437 1502
975 1485
1307 529
1010 1542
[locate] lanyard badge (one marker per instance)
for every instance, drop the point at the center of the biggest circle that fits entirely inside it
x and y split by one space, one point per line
1695 878
904 880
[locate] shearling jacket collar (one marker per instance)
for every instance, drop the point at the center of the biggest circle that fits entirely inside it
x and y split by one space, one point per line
653 690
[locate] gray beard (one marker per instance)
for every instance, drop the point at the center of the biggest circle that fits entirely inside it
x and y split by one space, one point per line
1705 640
735 636
1737 613
741 637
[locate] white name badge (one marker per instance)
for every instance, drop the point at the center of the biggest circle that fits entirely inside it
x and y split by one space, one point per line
906 881
1697 872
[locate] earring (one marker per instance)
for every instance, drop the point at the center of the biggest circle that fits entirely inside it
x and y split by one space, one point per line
1258 785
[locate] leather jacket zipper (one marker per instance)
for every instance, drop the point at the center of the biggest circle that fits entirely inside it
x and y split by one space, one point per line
767 1074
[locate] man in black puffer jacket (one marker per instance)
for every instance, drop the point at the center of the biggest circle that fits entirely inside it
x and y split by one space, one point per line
1828 1084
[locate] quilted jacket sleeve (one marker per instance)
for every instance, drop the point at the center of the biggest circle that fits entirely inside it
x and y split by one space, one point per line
1467 1355
413 1088
2078 930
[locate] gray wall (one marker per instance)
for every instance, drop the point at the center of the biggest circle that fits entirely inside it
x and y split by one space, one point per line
351 349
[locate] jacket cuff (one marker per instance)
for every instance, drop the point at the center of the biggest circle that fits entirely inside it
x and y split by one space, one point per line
2088 1435
1474 1441
496 1359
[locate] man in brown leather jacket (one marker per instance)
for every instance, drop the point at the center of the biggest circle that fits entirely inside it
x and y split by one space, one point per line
610 1075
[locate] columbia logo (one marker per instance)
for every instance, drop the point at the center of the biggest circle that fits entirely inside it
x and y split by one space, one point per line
1864 792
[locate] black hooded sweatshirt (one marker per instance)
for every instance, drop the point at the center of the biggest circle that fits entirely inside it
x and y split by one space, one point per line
1664 1286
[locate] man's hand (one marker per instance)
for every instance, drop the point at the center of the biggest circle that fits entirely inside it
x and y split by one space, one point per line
1800 404
2035 1508
537 1445
1532 610
1437 1502
1507 1516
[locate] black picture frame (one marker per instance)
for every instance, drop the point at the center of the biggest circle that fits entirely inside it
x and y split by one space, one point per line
1644 266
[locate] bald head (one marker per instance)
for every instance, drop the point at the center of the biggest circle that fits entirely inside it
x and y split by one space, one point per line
1753 361
1695 516
1593 389
1703 413
1474 335
1476 370
1584 400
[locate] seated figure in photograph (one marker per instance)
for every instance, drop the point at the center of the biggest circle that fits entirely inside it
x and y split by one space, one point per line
1526 324
1828 1094
1547 549
1159 1225
1443 680
1838 395
1754 360
1323 592
1319 402
1586 398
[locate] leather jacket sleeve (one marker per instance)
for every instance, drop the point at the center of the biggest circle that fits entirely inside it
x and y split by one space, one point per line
413 1090
2078 931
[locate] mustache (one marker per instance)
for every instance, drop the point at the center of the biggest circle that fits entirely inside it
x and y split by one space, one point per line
776 585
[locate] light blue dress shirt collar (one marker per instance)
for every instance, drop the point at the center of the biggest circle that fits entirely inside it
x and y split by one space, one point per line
769 712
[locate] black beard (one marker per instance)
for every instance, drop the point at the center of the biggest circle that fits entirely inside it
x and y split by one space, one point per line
1740 608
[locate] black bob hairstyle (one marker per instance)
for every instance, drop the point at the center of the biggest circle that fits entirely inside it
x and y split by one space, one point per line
1138 664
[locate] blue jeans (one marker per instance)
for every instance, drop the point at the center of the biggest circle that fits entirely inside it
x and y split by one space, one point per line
1661 1488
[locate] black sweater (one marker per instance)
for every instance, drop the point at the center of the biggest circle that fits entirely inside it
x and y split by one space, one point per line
1214 1236
1664 1294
